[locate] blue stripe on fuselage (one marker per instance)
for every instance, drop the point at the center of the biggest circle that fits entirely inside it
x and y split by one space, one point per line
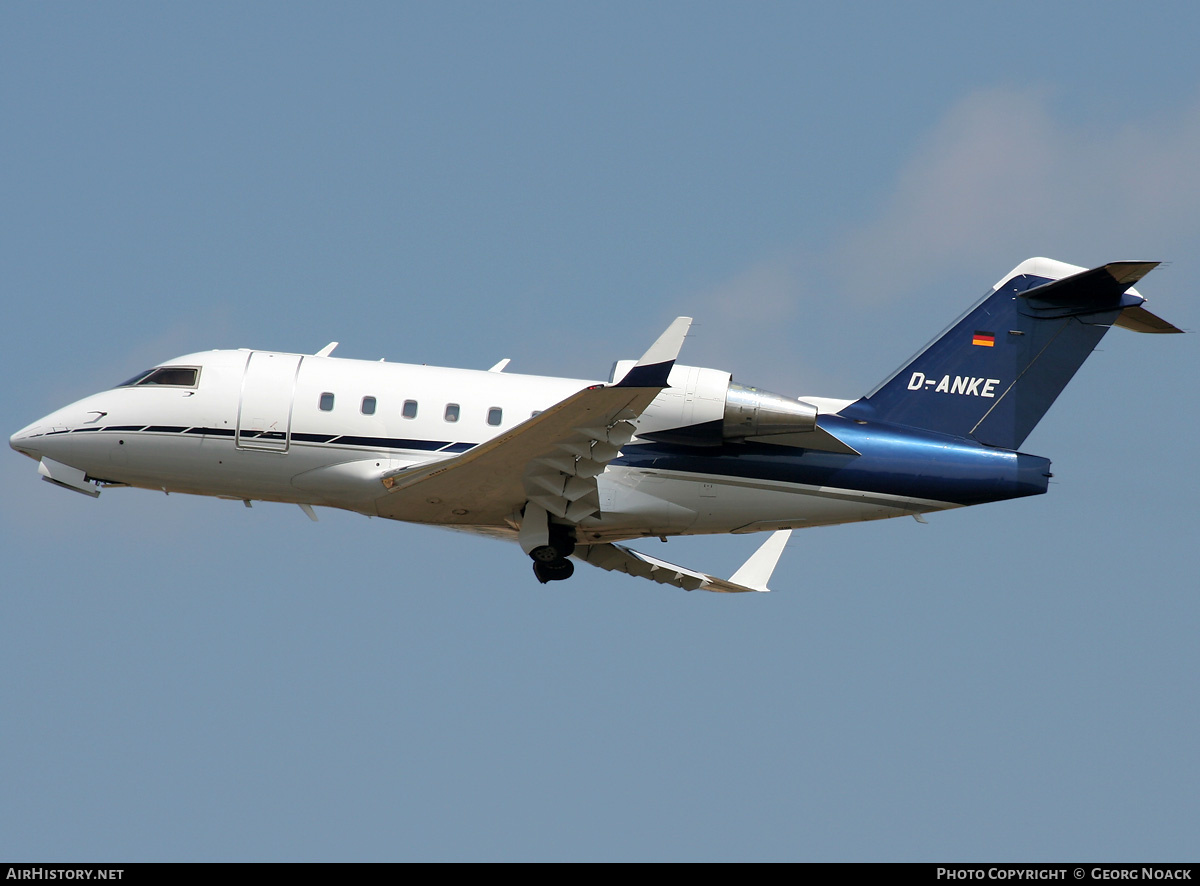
893 461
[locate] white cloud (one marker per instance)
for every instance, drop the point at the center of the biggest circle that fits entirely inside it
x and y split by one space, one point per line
1000 178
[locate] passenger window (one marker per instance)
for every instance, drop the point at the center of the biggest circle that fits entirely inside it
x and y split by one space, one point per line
368 406
326 402
495 416
410 409
452 412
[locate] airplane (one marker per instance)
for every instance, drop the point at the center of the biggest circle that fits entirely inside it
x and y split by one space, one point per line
568 468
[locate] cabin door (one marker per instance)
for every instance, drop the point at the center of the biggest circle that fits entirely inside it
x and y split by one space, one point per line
265 408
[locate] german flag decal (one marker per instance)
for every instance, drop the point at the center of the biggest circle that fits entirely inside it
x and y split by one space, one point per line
984 339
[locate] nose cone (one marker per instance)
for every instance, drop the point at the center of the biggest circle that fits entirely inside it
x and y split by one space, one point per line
26 440
51 434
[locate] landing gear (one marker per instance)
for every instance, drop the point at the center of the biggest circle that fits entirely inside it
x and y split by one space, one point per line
555 570
547 543
550 561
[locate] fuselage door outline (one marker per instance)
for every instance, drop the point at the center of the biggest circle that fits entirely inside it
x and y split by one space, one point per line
266 401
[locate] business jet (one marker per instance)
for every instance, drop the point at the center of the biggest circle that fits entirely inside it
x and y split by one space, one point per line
568 468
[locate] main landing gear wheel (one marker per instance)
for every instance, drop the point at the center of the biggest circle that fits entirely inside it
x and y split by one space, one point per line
547 543
550 561
553 570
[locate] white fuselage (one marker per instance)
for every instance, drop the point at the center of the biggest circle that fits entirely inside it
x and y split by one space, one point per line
568 467
322 430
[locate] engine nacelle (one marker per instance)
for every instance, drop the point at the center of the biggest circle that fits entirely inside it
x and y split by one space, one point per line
750 412
704 407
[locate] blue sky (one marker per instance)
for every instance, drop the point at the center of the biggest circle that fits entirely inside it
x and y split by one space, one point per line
823 189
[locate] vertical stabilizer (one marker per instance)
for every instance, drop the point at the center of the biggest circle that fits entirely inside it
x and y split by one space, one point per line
995 372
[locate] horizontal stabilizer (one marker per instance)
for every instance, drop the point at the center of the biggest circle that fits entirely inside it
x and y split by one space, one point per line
1138 319
1094 290
752 577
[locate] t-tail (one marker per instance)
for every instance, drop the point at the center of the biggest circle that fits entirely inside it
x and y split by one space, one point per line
995 372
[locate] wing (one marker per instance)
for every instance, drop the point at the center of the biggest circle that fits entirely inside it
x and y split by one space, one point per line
753 576
552 459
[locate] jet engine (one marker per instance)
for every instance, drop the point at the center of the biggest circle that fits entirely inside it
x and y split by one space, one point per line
750 412
705 407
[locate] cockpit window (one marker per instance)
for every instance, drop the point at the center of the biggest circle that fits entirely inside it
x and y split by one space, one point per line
165 376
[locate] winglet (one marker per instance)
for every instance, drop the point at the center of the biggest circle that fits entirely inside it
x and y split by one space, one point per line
327 350
756 572
654 368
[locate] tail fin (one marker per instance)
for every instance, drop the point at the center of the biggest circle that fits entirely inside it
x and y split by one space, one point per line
995 372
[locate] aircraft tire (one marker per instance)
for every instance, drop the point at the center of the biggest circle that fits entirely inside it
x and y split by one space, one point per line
555 570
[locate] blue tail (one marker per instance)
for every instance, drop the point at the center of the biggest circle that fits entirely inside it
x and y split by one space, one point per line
995 372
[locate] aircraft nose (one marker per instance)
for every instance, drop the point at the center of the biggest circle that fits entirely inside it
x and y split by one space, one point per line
25 440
